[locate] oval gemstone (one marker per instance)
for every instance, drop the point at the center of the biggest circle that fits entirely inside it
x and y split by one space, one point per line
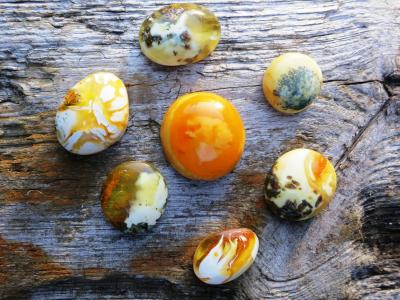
202 135
291 82
134 196
179 34
224 256
94 114
300 185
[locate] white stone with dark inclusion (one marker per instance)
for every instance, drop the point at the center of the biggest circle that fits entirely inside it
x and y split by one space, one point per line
300 185
179 34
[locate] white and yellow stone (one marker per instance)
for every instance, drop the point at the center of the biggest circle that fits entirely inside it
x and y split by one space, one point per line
301 183
134 196
94 114
179 34
223 257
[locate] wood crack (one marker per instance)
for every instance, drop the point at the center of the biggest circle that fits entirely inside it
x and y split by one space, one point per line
389 80
360 134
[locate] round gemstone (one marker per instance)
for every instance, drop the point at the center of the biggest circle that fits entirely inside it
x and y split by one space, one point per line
179 34
300 185
94 114
134 196
202 135
291 82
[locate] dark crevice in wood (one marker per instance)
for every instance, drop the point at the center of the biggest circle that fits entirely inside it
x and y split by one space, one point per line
334 80
393 79
362 82
386 83
121 286
381 226
10 92
233 87
360 133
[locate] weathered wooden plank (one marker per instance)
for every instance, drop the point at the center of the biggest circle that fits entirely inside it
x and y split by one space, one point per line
54 242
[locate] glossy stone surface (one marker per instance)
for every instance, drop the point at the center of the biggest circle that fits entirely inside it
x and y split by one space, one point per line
179 34
301 183
202 135
94 114
291 82
134 196
224 256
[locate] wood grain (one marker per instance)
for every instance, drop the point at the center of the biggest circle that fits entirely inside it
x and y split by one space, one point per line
54 242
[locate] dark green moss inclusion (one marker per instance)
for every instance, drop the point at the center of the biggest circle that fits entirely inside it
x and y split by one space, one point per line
298 88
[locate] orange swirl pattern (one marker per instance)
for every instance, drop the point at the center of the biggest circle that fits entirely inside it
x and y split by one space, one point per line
222 257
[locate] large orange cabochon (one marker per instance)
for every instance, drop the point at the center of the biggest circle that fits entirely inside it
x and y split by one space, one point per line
202 135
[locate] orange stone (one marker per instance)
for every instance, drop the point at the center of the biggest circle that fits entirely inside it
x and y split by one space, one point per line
203 136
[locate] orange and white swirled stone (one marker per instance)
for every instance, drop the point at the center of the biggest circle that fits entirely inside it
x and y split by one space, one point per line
223 257
94 114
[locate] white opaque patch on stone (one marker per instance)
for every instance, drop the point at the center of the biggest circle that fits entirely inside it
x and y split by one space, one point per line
123 92
65 121
86 116
107 93
98 112
213 266
118 116
104 77
206 152
99 132
112 129
149 200
89 147
73 139
118 103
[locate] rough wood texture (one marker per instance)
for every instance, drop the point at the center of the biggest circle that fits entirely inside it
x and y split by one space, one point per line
54 242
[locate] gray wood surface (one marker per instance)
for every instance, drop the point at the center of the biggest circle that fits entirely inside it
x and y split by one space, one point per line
54 242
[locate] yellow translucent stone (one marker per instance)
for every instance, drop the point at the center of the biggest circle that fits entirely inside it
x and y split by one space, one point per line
224 256
179 34
291 82
94 114
300 185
